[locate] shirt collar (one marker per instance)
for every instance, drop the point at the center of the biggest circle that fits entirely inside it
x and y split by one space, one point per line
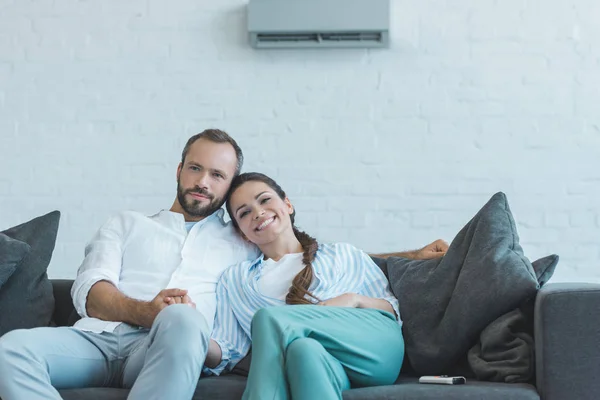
257 262
218 215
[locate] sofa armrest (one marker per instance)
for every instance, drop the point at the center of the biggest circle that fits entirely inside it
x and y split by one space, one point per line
567 341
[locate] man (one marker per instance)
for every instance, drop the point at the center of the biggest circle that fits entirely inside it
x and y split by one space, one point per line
134 267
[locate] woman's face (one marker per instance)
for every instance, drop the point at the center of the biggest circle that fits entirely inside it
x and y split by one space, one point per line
260 213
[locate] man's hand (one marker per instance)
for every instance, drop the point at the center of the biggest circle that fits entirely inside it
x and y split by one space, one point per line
180 300
433 250
108 303
156 305
344 300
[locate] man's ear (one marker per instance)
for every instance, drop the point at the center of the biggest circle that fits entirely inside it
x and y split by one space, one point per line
179 171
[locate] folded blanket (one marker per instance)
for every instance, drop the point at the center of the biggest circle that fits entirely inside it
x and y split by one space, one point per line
505 351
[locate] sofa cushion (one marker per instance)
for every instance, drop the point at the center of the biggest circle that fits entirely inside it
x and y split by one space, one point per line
410 389
12 253
226 387
446 302
26 299
231 387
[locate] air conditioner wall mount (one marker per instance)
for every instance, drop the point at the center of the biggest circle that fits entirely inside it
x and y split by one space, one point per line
318 23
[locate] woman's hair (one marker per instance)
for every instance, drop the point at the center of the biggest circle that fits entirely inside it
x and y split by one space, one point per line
301 283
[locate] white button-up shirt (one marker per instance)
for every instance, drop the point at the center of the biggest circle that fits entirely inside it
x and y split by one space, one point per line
143 255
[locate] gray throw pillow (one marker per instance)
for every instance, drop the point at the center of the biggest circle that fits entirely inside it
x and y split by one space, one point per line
26 299
11 253
446 302
544 268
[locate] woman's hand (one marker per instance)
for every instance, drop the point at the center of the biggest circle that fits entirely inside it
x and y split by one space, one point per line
345 300
356 300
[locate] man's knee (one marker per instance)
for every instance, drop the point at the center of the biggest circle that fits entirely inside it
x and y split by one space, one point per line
183 326
12 346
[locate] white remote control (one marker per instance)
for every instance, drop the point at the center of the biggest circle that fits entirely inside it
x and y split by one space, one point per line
443 380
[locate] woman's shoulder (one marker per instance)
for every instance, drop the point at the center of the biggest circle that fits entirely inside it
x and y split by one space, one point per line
338 249
237 271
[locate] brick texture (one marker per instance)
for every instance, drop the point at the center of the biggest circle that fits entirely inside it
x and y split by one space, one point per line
385 149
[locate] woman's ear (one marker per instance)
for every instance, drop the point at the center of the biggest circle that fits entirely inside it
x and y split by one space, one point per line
289 205
244 237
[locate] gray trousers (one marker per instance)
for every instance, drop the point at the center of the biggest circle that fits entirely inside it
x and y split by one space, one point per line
164 362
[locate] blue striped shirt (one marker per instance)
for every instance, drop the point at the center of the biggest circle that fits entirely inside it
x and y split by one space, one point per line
338 268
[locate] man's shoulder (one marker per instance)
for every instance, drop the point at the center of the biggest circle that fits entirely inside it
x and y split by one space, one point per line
123 219
131 214
230 235
234 236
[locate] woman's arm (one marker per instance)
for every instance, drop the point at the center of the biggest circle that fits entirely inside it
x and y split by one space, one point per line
371 302
213 358
356 300
229 343
370 283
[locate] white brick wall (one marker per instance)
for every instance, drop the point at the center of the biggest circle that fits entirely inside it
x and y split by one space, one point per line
386 149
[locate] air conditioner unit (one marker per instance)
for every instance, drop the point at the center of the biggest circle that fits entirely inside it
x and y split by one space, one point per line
318 23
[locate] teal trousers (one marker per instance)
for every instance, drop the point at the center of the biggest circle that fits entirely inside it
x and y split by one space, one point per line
308 352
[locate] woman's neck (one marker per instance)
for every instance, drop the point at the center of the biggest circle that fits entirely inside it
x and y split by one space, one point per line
284 244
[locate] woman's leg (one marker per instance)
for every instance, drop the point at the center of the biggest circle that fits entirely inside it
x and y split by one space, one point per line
367 343
312 372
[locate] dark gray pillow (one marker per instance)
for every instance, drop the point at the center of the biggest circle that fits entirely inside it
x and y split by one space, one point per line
11 253
544 268
446 302
26 299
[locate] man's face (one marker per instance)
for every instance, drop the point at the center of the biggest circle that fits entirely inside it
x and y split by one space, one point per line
204 178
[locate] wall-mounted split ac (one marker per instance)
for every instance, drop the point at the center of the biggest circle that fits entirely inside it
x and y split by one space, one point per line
318 23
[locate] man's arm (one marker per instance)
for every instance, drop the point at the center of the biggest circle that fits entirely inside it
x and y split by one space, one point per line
108 303
405 254
432 250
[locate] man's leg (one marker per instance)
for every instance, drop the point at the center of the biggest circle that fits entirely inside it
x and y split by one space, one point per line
168 363
367 343
34 363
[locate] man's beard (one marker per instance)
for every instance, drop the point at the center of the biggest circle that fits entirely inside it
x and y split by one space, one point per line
193 207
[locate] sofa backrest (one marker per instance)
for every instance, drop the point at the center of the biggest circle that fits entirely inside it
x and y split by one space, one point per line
64 311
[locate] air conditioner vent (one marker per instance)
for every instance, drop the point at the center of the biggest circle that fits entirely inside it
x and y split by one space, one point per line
324 39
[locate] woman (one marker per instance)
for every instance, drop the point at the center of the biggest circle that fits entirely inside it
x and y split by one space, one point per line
344 330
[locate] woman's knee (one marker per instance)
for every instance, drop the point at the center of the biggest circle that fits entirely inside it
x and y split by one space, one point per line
267 317
303 349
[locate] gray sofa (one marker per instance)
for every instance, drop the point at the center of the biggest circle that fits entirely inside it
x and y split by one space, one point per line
567 335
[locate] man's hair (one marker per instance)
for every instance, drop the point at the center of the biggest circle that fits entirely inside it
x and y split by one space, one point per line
216 136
